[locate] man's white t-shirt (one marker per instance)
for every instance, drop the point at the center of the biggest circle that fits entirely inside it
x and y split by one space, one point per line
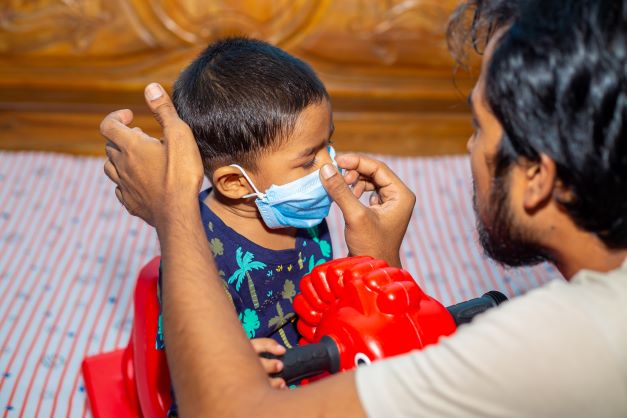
559 351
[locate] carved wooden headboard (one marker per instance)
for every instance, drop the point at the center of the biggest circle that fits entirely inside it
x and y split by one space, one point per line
64 64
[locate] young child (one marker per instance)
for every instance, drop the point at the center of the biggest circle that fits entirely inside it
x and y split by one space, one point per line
263 123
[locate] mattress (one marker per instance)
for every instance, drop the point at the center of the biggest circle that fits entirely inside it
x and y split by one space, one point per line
69 255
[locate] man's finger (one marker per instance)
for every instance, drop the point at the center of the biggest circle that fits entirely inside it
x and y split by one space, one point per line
374 199
377 174
128 203
377 171
112 151
161 106
351 177
334 184
113 127
111 172
359 188
112 146
118 194
144 136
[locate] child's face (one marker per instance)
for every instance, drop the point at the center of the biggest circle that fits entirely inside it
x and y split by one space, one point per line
305 151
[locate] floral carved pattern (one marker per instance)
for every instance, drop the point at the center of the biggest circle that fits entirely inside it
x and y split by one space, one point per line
75 22
110 27
383 23
381 34
87 43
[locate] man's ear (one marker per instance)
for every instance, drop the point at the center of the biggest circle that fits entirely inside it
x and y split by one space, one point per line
230 183
540 182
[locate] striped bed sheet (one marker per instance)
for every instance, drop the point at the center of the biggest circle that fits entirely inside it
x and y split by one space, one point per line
69 255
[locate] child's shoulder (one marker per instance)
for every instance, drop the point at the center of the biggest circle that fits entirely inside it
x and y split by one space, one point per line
230 249
314 246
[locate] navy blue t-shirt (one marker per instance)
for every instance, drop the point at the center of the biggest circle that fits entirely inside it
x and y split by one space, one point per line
261 282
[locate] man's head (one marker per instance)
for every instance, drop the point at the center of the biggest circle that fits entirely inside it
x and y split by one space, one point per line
252 104
550 115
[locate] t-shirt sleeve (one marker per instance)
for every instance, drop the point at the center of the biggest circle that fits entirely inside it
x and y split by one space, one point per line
538 355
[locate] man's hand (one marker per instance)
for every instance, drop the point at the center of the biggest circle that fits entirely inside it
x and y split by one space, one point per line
155 178
268 345
377 230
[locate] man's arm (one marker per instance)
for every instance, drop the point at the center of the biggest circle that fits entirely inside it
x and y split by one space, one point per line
211 361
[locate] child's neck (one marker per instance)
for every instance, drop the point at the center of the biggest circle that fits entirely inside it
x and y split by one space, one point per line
245 219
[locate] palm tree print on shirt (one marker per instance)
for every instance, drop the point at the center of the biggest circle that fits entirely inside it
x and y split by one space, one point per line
250 322
313 263
245 264
325 247
278 321
289 290
217 248
301 260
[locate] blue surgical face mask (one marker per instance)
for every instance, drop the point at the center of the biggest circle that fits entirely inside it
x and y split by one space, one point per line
302 203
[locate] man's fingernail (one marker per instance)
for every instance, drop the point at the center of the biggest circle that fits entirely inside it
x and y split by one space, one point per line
328 171
154 91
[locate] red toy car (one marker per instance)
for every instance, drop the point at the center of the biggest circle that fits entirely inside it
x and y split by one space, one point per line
352 311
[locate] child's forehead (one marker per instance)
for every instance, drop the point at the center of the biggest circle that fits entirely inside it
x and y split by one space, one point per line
311 132
315 119
313 127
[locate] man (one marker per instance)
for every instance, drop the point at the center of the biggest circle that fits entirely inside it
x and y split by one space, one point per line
549 161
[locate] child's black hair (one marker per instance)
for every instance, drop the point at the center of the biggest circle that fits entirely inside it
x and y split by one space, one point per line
242 97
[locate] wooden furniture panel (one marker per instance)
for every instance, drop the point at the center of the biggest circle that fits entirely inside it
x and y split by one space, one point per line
66 63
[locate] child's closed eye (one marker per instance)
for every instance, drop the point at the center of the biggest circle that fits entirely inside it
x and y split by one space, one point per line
311 163
314 161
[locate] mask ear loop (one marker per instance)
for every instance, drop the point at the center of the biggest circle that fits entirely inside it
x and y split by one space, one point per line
257 192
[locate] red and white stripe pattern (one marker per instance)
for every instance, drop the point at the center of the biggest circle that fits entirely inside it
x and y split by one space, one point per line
69 255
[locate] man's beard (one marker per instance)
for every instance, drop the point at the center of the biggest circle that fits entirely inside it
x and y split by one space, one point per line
501 237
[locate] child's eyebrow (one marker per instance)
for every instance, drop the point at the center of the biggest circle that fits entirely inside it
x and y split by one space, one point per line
309 151
314 149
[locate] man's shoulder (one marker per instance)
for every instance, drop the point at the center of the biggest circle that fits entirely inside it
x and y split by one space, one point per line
556 351
600 296
616 279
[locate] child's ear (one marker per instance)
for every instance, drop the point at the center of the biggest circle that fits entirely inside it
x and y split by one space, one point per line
230 183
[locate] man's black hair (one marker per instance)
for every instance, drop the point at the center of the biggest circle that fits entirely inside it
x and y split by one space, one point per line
241 97
557 83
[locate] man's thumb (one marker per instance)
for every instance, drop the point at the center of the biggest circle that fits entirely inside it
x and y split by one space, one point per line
338 190
161 105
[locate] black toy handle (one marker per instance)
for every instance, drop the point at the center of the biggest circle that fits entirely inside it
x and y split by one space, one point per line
465 312
308 360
